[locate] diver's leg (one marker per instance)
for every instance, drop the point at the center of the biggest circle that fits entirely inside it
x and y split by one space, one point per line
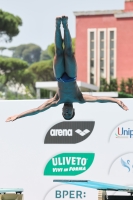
70 62
58 65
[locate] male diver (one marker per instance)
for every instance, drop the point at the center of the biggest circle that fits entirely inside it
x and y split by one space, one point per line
65 71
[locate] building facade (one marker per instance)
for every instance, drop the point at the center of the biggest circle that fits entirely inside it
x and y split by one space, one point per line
104 44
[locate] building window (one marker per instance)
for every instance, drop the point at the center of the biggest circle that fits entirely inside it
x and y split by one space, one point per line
101 58
102 53
112 53
91 78
92 56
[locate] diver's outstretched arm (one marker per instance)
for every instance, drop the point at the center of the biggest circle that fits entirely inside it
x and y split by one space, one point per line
48 104
93 99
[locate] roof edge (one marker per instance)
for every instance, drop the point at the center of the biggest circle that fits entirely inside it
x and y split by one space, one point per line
97 12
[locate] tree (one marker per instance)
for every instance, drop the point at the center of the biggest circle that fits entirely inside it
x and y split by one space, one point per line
9 66
122 86
104 85
45 55
25 78
129 84
113 86
11 73
12 49
51 50
28 52
73 45
9 25
2 49
43 70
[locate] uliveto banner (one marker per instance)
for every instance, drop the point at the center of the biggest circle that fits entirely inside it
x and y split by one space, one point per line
69 164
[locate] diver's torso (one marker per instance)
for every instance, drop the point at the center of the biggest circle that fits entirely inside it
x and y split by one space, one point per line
69 92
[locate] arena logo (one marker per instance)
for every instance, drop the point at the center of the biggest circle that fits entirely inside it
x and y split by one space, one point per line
69 132
61 132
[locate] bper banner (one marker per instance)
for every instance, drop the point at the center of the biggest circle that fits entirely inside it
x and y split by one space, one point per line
97 145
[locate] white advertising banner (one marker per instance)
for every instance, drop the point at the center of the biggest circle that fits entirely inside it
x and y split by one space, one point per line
97 145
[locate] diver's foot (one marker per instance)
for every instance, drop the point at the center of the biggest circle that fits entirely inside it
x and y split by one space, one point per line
122 105
65 21
58 22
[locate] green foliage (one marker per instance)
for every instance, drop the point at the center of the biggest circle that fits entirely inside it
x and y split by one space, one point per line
124 95
45 56
22 76
9 65
123 86
129 84
126 86
45 93
2 49
43 70
12 49
15 72
104 85
19 78
14 96
28 52
73 45
9 25
51 50
2 82
2 56
113 86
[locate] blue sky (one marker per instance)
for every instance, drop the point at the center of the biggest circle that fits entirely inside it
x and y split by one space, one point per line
38 17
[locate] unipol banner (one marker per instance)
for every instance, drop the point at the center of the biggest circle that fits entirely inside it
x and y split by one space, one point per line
97 145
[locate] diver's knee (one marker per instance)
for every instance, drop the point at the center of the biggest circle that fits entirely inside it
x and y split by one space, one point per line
59 52
69 52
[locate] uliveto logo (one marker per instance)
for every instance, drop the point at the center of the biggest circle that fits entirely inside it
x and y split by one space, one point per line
69 132
124 133
69 164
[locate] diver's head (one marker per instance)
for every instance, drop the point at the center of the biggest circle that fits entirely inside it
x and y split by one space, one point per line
68 111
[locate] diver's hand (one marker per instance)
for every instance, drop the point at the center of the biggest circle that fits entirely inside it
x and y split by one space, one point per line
122 105
12 118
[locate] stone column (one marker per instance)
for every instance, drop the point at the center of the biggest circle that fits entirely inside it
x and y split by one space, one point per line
38 96
51 94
